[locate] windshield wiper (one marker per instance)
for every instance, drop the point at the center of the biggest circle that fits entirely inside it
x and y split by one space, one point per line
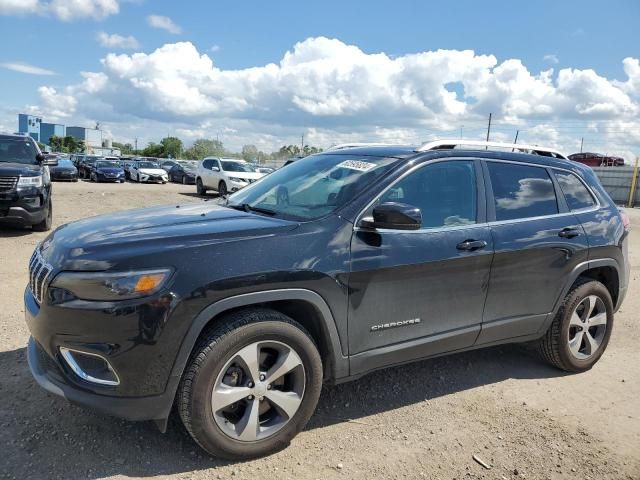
248 208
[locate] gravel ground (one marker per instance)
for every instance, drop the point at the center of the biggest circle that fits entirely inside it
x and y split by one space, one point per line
425 420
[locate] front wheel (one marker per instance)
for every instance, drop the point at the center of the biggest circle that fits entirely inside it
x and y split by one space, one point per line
579 334
45 225
222 189
252 385
200 187
184 180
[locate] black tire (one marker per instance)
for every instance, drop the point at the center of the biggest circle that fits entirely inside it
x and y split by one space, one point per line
553 347
219 345
45 225
222 188
201 189
184 180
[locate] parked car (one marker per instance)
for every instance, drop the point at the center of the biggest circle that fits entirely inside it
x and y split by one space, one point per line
76 158
184 172
265 170
597 159
343 263
25 183
65 170
108 171
224 175
86 165
167 165
148 172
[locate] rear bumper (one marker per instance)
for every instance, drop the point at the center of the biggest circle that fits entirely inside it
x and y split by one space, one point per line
43 368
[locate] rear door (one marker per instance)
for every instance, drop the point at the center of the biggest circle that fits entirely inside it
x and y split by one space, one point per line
538 242
419 293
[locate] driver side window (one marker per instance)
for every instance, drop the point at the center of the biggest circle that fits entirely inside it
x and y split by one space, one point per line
445 193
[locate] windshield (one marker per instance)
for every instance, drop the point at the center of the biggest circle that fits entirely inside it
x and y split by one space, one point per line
148 165
188 164
231 166
314 186
108 164
64 162
17 150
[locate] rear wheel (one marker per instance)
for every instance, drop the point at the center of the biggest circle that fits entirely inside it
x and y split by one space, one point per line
252 385
579 334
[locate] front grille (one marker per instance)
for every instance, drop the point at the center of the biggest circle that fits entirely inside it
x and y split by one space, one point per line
39 272
8 183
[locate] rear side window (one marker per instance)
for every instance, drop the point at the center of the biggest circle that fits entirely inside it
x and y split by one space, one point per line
206 164
521 191
576 194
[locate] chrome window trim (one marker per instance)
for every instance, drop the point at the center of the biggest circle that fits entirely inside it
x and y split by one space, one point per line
359 217
67 354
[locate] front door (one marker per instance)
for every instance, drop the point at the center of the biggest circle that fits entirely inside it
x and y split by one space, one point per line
419 293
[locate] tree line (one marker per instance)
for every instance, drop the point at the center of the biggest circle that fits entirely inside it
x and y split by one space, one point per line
173 147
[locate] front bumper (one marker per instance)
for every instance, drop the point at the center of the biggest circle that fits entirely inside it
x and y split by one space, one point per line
27 207
103 177
47 372
154 178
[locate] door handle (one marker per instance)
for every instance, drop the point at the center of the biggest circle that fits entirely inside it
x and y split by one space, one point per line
471 245
568 232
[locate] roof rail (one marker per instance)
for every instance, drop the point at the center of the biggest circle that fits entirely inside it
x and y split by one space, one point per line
452 143
344 146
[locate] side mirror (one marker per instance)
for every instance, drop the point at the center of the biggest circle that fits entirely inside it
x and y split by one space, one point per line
395 216
215 169
49 160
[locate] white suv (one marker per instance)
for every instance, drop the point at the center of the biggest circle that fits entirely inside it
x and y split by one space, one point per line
225 175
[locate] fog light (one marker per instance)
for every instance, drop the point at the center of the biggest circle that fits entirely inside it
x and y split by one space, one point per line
90 367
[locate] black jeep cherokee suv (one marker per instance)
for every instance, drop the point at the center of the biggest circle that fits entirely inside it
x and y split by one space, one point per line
339 264
25 183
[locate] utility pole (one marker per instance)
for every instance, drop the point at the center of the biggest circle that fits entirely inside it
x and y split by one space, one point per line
136 145
515 140
581 143
461 127
302 144
489 128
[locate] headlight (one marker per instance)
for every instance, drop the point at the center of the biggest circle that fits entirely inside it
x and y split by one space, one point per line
236 179
30 181
111 286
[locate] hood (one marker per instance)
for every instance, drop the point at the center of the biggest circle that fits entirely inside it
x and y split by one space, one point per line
99 243
63 168
152 171
13 169
246 175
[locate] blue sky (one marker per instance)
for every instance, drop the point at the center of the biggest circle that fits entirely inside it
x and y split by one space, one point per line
579 35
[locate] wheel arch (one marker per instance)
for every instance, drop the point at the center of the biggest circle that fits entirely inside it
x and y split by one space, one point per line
304 306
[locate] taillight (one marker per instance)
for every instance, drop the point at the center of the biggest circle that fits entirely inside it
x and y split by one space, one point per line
625 220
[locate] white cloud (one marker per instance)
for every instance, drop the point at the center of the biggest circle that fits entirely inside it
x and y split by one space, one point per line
66 10
215 48
18 7
551 58
164 23
336 92
117 41
26 68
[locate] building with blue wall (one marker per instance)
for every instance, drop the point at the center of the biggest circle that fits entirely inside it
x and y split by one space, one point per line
29 125
48 130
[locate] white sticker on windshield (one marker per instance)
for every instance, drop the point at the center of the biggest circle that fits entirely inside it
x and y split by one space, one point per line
357 165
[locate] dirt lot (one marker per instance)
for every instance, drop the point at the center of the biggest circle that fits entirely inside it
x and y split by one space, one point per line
424 420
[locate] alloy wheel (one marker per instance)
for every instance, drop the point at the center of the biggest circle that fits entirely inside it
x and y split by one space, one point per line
587 327
258 391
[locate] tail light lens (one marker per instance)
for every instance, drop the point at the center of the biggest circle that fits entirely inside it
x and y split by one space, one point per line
625 220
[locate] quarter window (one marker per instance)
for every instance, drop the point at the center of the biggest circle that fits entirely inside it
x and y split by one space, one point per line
521 191
445 192
576 194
